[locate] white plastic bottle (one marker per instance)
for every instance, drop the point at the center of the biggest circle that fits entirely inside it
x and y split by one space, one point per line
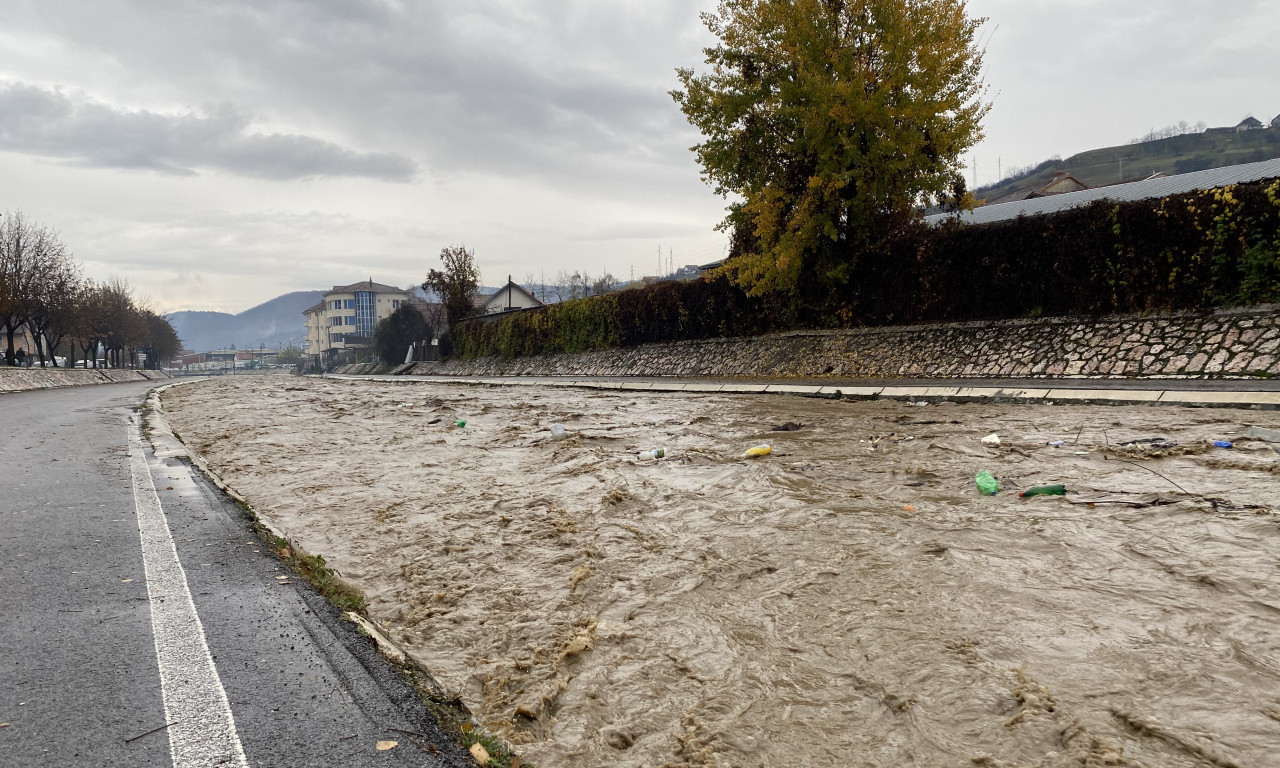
656 453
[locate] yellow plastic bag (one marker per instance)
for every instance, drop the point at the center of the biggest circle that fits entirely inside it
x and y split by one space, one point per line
758 451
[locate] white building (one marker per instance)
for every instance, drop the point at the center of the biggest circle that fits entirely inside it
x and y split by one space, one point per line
508 299
340 328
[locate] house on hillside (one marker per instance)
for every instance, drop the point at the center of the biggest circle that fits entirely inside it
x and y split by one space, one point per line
1061 184
1275 123
1250 123
1155 186
508 298
340 328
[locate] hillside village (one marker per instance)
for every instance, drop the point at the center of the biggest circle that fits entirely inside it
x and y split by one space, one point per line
1156 155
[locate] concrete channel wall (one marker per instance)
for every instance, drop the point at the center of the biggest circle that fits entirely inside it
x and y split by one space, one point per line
1237 343
23 379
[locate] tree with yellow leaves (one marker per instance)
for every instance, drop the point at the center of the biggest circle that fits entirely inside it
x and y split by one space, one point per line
829 124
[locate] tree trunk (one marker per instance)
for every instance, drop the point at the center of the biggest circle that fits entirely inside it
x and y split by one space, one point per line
53 348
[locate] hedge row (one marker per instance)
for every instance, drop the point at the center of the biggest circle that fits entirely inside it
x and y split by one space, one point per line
1198 250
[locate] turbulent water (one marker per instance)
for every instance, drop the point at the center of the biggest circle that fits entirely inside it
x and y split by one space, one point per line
848 600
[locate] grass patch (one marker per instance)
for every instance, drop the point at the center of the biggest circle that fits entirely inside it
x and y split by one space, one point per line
314 569
499 755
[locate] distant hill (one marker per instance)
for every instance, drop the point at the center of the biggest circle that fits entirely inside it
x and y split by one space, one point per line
1130 162
273 324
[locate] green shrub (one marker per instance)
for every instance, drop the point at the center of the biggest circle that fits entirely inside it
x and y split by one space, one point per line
1199 250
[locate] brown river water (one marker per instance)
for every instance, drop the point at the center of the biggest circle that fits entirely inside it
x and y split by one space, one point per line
848 600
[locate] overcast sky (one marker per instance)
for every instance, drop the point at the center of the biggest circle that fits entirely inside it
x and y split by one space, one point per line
218 153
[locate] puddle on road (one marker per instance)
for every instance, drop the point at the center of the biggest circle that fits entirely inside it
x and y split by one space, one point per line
848 600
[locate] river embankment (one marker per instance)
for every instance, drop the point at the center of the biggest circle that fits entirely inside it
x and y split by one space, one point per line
27 379
1236 343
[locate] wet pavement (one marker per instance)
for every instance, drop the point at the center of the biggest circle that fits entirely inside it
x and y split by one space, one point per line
83 679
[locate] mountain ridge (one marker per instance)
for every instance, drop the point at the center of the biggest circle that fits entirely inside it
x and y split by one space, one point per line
274 323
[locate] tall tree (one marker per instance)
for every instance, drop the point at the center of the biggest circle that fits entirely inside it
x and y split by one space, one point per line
29 253
456 283
124 324
830 122
87 324
52 307
162 340
395 332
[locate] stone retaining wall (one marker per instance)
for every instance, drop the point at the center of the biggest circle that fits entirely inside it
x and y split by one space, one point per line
1238 343
23 379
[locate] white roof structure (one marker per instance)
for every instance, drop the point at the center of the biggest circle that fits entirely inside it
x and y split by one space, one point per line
1136 190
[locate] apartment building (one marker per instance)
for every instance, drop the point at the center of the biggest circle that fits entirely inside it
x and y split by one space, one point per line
340 328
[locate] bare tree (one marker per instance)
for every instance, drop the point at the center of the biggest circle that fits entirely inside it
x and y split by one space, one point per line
87 324
25 252
52 307
570 285
606 283
534 285
124 325
455 285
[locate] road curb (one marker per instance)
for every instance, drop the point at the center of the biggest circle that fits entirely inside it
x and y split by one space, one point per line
166 444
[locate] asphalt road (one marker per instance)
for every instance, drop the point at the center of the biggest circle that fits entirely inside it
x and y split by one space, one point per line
106 661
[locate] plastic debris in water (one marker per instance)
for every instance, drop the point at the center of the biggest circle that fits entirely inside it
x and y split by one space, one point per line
1045 490
758 451
1222 444
987 485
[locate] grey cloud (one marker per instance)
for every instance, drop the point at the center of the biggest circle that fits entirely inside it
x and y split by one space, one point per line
49 123
640 230
560 90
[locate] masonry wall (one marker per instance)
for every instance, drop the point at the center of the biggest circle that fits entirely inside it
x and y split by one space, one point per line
1226 343
23 379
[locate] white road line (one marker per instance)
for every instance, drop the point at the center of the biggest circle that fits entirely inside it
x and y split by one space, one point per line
203 731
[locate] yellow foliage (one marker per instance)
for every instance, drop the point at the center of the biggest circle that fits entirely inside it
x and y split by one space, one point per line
833 123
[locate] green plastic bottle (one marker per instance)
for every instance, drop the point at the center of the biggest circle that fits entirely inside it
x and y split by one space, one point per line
987 485
1045 490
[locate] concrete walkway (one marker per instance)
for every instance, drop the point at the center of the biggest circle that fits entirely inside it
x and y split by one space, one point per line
1261 394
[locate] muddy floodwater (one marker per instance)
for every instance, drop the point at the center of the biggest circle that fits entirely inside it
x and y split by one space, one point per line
848 600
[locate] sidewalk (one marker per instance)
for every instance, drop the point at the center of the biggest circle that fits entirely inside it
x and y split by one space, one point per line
1261 394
